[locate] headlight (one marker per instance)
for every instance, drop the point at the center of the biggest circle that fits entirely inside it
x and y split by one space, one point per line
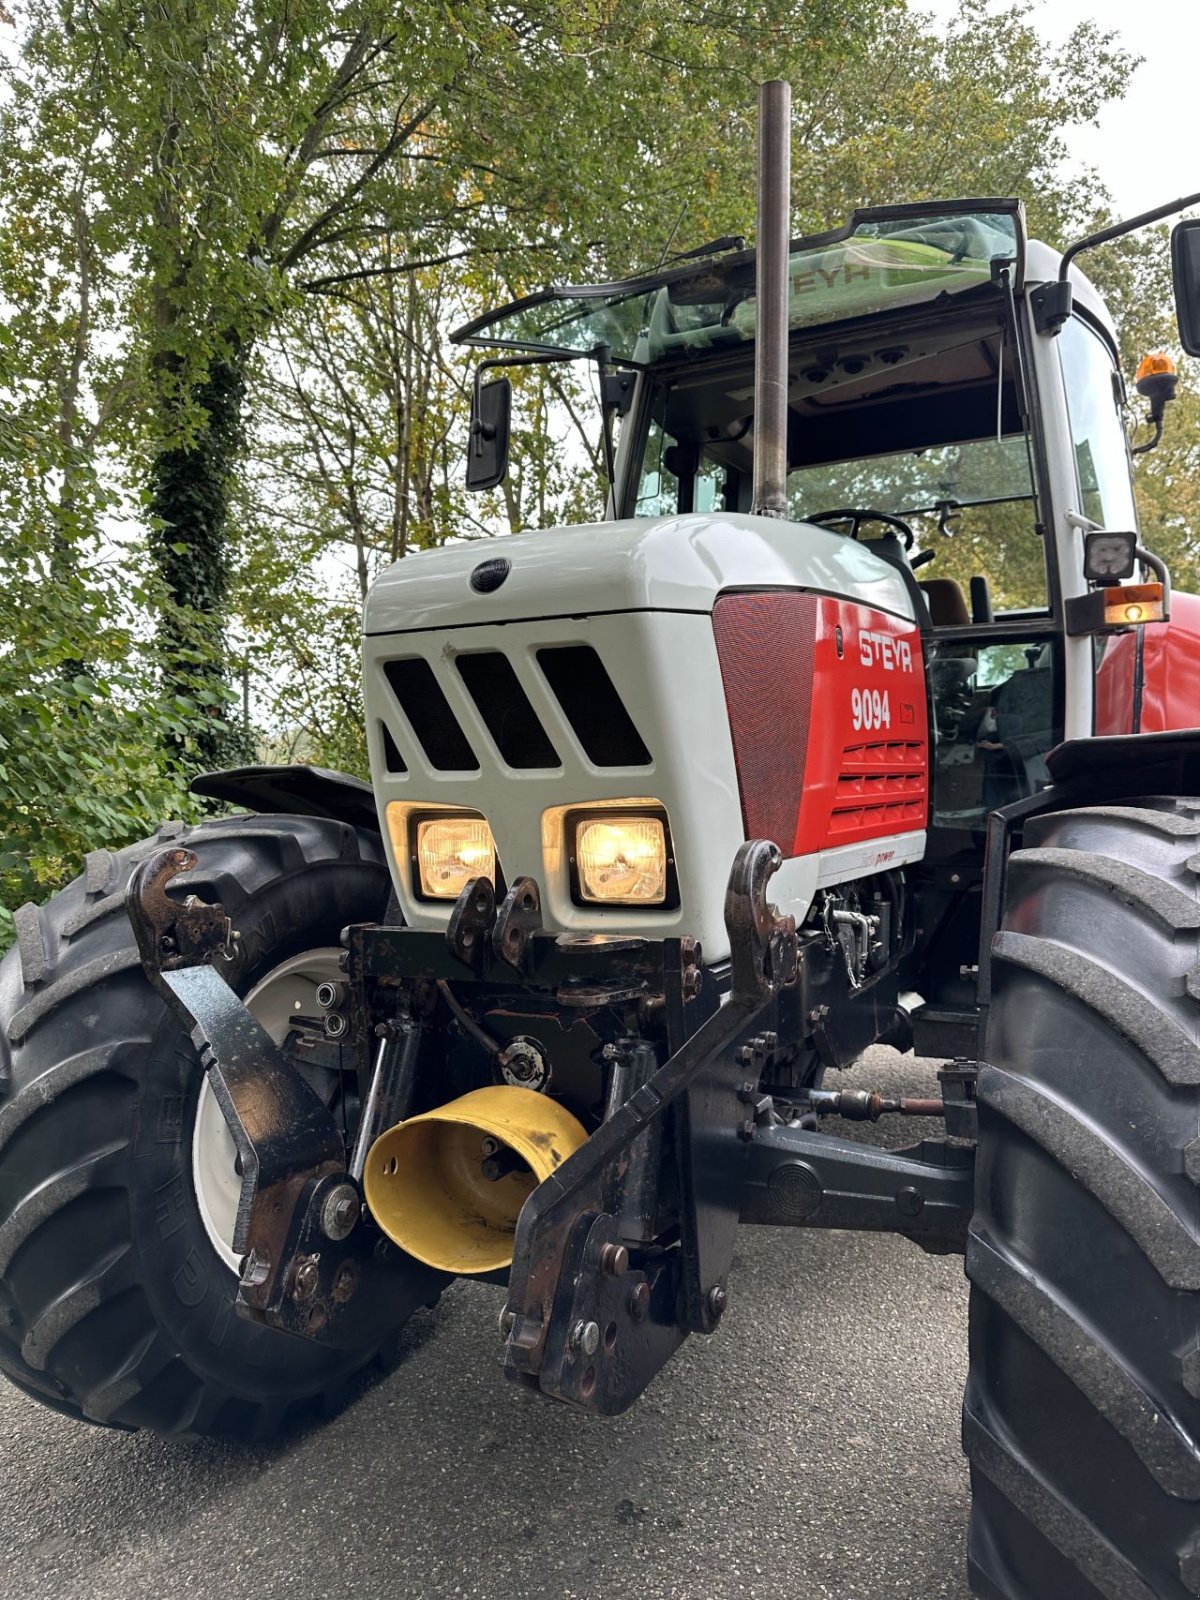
1109 556
450 851
622 860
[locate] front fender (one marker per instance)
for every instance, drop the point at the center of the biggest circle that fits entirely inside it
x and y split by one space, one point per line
293 791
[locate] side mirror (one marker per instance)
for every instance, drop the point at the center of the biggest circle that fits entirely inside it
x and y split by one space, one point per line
1185 270
487 452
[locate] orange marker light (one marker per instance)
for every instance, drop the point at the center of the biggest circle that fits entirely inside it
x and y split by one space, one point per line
1156 366
1133 603
1156 379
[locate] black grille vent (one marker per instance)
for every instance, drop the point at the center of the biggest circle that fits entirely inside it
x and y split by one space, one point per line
392 759
427 709
592 706
506 710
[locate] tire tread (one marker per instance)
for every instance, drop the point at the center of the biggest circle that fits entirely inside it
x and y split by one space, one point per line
1084 1248
91 1345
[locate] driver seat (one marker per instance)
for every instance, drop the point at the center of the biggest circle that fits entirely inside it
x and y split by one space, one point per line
947 603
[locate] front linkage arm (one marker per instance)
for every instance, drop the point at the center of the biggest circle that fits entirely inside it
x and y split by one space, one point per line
580 1324
310 1264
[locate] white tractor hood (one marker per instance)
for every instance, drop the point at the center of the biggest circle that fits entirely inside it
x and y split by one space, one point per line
677 563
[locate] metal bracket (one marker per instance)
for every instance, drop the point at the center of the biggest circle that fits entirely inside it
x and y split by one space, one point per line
713 1136
471 923
764 948
519 918
340 1288
764 957
958 1082
609 1320
302 1265
285 1135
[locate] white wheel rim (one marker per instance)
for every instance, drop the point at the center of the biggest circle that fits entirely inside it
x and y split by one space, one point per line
286 991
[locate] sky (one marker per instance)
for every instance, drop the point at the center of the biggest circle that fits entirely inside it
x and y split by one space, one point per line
1146 147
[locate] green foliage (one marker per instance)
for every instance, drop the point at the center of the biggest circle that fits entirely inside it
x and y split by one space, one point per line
233 239
188 507
82 719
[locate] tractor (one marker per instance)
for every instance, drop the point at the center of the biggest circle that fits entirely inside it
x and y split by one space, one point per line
671 818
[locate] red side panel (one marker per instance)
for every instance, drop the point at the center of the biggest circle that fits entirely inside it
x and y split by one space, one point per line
826 703
1171 674
766 646
1171 694
1114 685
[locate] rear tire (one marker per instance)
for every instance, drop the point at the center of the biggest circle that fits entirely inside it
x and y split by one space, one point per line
115 1306
1082 1411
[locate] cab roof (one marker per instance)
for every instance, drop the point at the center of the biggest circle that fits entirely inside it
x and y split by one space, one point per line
884 258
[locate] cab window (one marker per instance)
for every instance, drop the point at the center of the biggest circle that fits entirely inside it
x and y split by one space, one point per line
1097 427
996 717
922 423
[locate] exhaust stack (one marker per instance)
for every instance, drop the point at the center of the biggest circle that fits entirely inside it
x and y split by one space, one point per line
771 341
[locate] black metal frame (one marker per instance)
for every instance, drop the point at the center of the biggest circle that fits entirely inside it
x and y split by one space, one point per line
626 1248
304 1270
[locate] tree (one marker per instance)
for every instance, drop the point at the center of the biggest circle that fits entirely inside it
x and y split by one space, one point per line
241 147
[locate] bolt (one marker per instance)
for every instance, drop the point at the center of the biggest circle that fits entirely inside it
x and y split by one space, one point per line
910 1202
508 1321
614 1260
340 1213
256 1269
747 1130
716 1302
639 1301
585 1336
747 1092
308 1276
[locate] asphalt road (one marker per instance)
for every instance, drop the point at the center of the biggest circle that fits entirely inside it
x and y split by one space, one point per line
810 1448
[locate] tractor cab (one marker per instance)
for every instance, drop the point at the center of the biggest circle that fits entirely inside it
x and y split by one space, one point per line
934 417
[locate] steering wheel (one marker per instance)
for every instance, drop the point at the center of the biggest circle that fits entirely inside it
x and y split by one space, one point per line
856 516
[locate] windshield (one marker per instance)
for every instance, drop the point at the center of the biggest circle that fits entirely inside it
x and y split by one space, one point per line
883 259
978 472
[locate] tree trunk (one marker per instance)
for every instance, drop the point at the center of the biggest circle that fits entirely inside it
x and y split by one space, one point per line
189 504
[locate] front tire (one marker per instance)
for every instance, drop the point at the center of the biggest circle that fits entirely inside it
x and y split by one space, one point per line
116 1305
1082 1411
